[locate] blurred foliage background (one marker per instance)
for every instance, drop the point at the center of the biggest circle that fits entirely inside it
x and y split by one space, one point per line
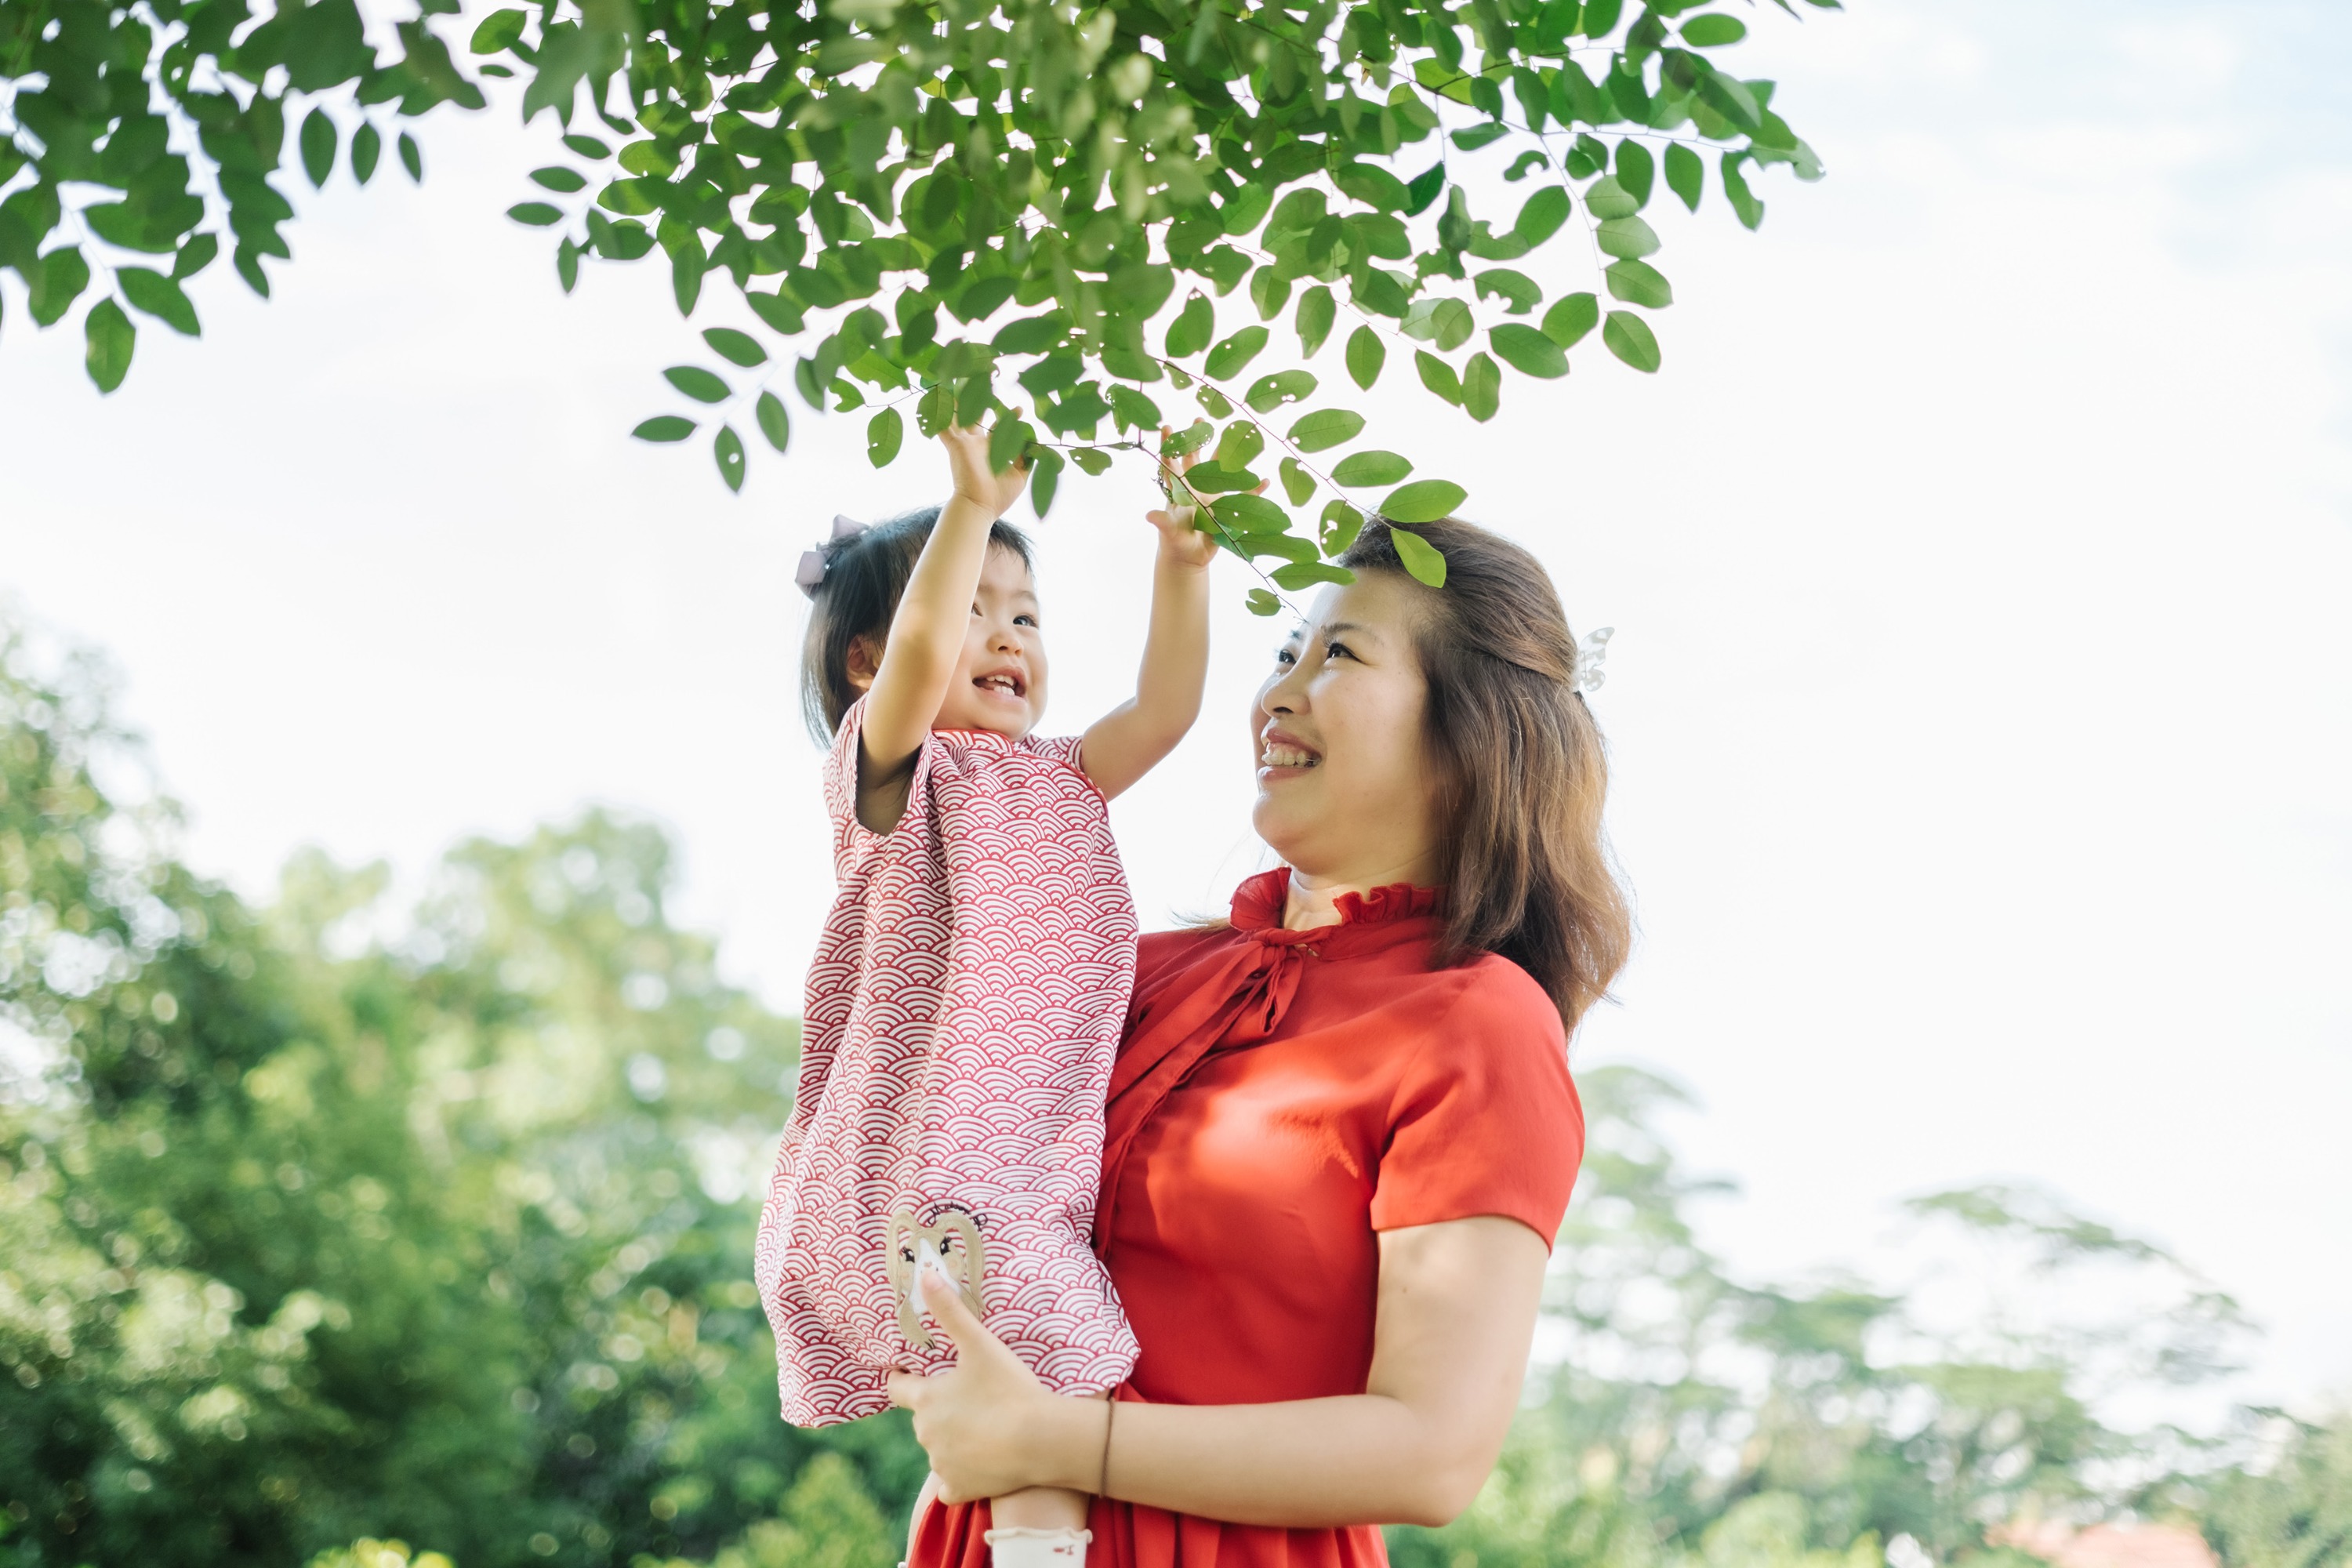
337 1234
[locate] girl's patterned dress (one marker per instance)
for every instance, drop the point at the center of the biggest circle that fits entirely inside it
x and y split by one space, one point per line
962 1013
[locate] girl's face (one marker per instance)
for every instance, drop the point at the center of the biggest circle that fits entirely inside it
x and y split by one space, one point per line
1000 683
1345 792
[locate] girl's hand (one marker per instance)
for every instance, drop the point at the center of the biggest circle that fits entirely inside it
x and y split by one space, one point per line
984 1420
975 482
1180 541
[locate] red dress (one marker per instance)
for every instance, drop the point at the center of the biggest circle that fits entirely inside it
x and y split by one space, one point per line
1281 1098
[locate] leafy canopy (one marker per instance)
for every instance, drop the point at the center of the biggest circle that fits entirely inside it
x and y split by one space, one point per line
1080 221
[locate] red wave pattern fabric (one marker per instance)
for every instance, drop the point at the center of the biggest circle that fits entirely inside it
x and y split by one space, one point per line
962 1013
1281 1098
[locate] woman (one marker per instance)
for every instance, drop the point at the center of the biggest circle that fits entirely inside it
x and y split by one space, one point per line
1341 1131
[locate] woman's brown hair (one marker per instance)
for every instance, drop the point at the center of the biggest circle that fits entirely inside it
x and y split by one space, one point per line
1527 873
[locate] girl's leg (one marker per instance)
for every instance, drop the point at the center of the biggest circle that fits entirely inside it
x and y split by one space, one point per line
923 1501
1041 1527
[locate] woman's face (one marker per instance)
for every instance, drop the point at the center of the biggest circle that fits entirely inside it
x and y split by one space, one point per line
1345 792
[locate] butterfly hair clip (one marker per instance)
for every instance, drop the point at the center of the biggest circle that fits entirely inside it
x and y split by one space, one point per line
811 573
1588 657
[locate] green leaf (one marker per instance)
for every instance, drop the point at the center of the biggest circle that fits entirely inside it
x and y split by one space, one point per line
775 424
737 348
1133 409
1262 603
1249 514
702 385
159 297
1438 376
1093 459
1229 358
726 451
1317 308
1191 438
110 337
588 146
1300 575
1032 334
59 278
1006 441
1521 292
1571 317
1342 524
411 158
1339 528
1360 470
1269 291
1423 501
1639 283
1606 199
779 313
499 32
1630 339
318 139
1269 393
367 146
1528 352
664 427
1424 189
1744 202
195 255
1326 428
1635 171
1542 217
1419 557
539 214
1189 333
1713 31
1481 385
883 434
1373 185
1686 174
1366 355
1045 480
1296 482
1240 446
1625 237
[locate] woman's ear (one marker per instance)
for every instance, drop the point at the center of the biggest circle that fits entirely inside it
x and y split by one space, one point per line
865 660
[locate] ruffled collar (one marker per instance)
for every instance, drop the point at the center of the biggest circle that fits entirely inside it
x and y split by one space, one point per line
1258 906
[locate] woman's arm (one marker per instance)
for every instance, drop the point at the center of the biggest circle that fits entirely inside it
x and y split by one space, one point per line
927 635
1456 1316
1128 742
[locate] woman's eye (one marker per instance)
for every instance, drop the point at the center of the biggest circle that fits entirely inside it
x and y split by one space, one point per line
1338 650
1285 657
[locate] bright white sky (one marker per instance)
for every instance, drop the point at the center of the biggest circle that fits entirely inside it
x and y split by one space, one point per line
1980 700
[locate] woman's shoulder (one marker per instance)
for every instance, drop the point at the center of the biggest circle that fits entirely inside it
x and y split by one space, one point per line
1489 993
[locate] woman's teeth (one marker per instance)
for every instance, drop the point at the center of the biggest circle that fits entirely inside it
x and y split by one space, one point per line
1287 757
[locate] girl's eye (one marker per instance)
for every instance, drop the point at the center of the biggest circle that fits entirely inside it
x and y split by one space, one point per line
1024 620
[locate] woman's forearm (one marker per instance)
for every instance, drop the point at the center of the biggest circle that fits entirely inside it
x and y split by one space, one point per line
1360 1459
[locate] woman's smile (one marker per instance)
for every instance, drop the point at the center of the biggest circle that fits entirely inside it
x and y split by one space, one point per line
1284 755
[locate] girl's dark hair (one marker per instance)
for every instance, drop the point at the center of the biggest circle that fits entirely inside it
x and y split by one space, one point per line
1527 873
864 576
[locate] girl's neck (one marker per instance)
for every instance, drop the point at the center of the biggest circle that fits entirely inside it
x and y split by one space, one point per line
1313 900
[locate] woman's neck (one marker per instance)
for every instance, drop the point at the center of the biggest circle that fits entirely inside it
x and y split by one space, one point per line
1313 901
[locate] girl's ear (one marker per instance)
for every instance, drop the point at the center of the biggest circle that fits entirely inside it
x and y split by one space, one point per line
865 659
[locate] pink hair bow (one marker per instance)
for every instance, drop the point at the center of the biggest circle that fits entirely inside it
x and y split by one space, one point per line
811 574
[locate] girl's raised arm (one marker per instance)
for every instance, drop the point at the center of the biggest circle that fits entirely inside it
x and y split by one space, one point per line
1128 742
927 635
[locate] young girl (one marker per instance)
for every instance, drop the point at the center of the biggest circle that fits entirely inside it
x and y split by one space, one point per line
968 994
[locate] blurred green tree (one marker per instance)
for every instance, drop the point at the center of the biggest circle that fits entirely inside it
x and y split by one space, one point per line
316 1226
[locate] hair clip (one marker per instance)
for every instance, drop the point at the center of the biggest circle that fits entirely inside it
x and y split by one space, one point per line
810 574
1588 674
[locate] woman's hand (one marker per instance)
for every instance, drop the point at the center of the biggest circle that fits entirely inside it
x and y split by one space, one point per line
975 482
1180 541
988 1424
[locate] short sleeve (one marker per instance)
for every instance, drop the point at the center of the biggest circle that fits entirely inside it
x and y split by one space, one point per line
852 840
1485 1119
